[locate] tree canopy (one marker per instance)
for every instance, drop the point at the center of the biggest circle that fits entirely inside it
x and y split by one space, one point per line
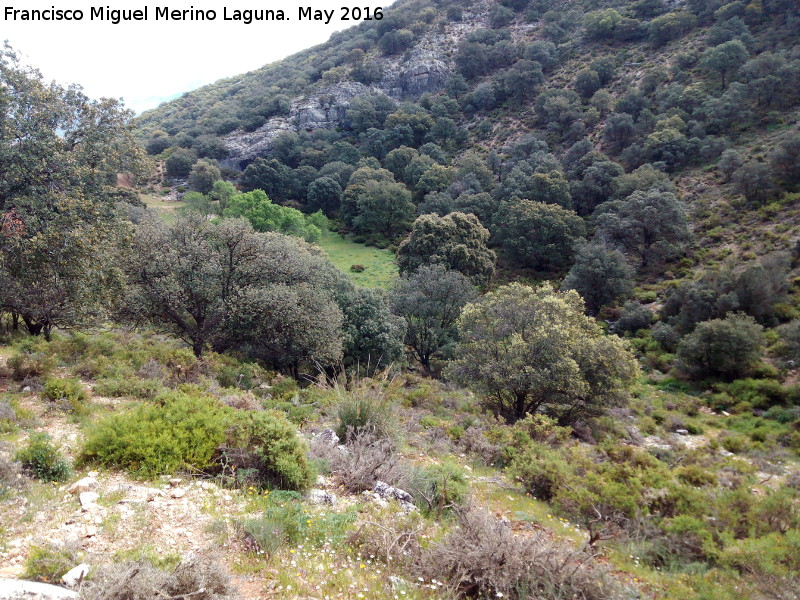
527 350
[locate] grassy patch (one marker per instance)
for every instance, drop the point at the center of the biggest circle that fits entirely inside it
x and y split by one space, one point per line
379 265
168 209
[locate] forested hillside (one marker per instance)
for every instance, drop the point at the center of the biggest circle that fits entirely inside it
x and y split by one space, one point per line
476 300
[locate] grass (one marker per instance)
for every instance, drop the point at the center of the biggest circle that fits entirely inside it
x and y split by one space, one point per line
380 264
166 208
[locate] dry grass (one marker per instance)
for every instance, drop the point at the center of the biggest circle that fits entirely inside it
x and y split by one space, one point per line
482 557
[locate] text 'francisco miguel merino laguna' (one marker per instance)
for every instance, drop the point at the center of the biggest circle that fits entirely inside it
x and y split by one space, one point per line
164 13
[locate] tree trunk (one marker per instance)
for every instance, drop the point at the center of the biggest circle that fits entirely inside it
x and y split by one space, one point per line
32 327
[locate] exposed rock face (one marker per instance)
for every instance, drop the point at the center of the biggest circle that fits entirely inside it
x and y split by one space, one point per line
425 69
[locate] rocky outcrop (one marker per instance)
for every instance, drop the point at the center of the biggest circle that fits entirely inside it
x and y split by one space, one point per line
425 69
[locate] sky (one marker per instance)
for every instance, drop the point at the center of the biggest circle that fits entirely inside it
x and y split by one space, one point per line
149 62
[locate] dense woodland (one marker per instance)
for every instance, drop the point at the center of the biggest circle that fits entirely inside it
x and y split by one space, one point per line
584 374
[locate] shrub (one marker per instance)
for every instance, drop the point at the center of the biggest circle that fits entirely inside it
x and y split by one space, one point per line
265 447
726 348
365 459
44 461
483 558
177 430
28 362
633 317
50 562
735 443
8 416
358 268
68 393
10 475
438 488
196 579
364 409
541 470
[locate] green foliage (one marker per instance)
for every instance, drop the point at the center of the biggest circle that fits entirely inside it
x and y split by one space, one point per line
180 162
526 350
271 176
68 391
456 241
364 410
265 216
278 455
725 59
50 562
285 522
268 295
651 225
177 430
670 26
42 460
537 234
438 488
430 300
30 360
726 348
600 275
203 175
373 336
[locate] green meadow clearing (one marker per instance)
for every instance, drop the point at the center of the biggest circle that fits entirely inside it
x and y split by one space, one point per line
380 267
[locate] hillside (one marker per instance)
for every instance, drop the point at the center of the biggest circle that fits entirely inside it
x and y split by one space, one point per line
478 300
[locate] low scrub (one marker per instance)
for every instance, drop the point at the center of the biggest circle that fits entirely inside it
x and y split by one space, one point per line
365 459
65 393
196 579
43 460
263 448
182 430
176 431
483 558
49 562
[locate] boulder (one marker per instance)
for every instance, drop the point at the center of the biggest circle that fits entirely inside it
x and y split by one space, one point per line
88 499
16 589
87 484
75 575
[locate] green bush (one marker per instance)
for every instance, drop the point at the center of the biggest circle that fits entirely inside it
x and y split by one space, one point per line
177 430
66 392
50 562
760 393
541 470
266 445
30 360
365 410
438 488
42 460
735 443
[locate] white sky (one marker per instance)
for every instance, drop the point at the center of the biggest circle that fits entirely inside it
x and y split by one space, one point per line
148 62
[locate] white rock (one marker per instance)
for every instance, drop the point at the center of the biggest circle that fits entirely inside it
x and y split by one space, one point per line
321 497
75 575
178 493
88 499
175 482
86 484
91 531
12 589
